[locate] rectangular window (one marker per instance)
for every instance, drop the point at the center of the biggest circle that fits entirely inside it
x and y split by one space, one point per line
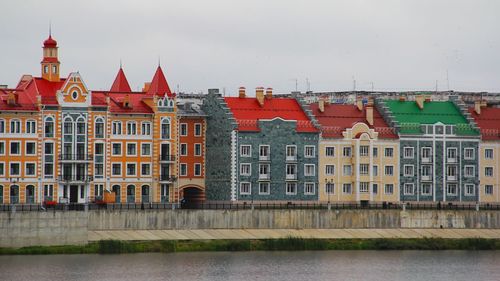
408 170
330 170
451 189
426 154
30 148
309 151
426 172
291 152
389 170
117 127
98 191
375 152
98 170
426 189
245 150
15 126
245 169
375 188
264 152
2 169
48 170
184 169
145 149
330 151
346 151
330 188
469 171
375 170
197 149
197 169
364 187
389 189
408 189
131 128
131 171
15 148
452 155
146 128
30 169
116 169
347 170
488 189
291 171
184 129
117 149
131 149
470 189
48 191
309 188
291 188
347 188
488 153
184 149
264 171
363 169
309 170
264 188
408 152
2 126
488 171
2 148
389 152
99 129
145 169
30 127
469 153
363 150
245 188
197 130
15 169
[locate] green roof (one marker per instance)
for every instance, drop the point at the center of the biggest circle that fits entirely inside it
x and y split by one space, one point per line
410 117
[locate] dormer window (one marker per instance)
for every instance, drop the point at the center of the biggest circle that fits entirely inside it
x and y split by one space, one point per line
74 95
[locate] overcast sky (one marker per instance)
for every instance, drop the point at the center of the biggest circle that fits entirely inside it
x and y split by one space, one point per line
396 45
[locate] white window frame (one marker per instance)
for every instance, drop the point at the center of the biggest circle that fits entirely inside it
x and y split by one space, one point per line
194 171
307 173
149 169
308 192
113 151
364 169
126 148
331 171
486 156
385 170
430 189
26 148
4 143
20 169
20 148
246 183
201 132
131 128
346 190
112 170
386 149
332 149
473 153
2 170
408 174
185 133
245 173
346 148
199 145
364 150
364 187
408 152
185 170
448 187
291 184
486 187
135 170
329 188
386 189
294 150
344 170
466 187
142 149
249 154
186 152
492 171
28 126
306 155
26 169
473 171
116 128
268 188
408 186
375 170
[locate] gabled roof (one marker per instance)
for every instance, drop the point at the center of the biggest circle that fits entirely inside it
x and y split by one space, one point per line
247 112
135 99
24 102
120 84
336 118
159 85
488 121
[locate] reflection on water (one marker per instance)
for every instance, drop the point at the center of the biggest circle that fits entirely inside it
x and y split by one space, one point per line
290 266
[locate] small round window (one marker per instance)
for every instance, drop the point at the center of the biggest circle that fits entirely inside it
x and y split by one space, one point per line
74 95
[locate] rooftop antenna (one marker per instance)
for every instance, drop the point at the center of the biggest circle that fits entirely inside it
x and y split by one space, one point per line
437 85
308 85
120 63
353 84
159 61
447 80
50 28
296 84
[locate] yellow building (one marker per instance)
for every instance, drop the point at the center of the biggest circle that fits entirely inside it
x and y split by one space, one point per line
358 154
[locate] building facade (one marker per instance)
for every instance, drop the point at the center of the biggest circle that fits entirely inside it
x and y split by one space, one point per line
439 145
358 154
260 149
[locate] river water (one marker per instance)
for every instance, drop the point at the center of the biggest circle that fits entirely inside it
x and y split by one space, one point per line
289 266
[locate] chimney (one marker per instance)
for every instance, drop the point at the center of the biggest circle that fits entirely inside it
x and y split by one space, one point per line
146 86
420 101
321 105
241 92
402 98
12 98
478 104
126 102
259 94
359 103
269 93
369 114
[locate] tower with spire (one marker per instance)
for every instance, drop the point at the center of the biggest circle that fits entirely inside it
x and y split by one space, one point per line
50 62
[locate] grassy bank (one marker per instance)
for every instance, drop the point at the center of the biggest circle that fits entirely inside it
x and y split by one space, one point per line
285 244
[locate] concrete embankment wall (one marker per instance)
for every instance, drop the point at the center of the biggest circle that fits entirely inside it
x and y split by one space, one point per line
64 228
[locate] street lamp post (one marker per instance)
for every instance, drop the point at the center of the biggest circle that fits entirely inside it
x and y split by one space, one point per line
328 191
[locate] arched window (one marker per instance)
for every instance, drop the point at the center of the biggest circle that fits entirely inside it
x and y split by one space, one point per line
131 128
1 194
30 126
146 128
99 128
49 127
2 126
81 126
116 189
14 194
30 194
171 103
130 193
160 102
68 126
165 128
145 193
15 126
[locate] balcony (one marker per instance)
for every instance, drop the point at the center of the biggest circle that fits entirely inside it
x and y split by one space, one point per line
167 158
264 176
291 176
452 160
291 158
75 157
167 178
75 178
426 160
264 158
451 178
426 178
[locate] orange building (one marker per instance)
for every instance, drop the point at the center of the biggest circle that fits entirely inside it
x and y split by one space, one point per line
60 141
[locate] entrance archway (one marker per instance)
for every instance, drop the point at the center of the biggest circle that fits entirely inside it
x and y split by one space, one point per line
192 196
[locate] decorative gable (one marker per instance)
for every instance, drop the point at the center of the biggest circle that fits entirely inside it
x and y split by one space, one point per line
74 92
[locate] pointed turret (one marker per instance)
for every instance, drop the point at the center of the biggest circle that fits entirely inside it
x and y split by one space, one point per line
159 85
120 84
50 62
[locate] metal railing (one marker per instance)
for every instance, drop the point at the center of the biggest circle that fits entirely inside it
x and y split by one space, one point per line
167 157
76 157
168 178
75 178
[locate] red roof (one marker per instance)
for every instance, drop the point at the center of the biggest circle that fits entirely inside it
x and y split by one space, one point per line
336 118
159 85
248 112
24 102
120 84
136 101
488 121
49 42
